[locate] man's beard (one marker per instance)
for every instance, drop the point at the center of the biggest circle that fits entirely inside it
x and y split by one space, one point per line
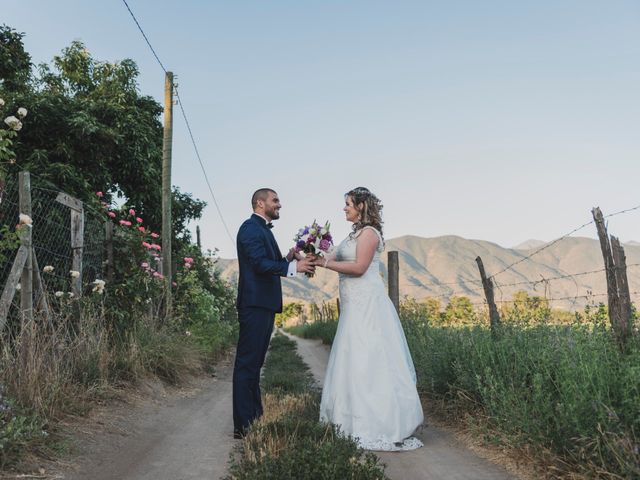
272 214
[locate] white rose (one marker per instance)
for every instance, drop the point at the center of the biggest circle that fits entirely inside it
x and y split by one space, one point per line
13 123
18 287
74 273
47 269
22 112
59 294
25 219
1 102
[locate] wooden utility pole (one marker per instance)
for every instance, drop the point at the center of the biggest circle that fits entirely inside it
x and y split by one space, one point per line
199 243
166 189
487 284
393 268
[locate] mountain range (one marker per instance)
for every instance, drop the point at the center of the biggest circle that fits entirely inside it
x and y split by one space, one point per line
445 266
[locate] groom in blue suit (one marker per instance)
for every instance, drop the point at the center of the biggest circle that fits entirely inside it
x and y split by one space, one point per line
259 299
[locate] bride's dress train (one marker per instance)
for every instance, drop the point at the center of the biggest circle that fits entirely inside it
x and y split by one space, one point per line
370 385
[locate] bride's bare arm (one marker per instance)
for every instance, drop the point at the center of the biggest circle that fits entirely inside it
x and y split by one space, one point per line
367 243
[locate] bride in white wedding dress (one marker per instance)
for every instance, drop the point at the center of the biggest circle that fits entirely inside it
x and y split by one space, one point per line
370 384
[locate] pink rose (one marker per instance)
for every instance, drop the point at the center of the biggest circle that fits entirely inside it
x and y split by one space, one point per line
99 194
112 214
132 211
138 219
174 284
141 229
144 265
154 235
146 244
157 275
155 246
126 223
187 265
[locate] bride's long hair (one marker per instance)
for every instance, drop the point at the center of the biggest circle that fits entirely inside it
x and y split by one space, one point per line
371 212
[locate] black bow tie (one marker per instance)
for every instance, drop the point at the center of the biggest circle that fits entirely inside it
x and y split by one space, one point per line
269 225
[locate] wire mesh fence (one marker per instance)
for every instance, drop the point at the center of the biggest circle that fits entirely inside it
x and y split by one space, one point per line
51 236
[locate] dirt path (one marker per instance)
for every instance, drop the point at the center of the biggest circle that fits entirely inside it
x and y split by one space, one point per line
183 435
442 456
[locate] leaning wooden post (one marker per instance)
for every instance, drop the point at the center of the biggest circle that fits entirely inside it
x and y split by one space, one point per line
487 284
338 306
624 298
393 269
613 299
198 240
167 225
26 240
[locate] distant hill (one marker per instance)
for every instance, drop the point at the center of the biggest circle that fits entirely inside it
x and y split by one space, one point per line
529 244
445 266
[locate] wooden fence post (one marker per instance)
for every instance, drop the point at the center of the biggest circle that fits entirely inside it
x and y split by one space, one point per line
108 236
487 284
26 279
617 286
393 268
624 298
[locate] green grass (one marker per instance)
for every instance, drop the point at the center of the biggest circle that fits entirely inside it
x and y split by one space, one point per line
289 442
324 330
566 389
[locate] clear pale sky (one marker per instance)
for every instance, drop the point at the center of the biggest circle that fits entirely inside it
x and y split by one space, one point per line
494 120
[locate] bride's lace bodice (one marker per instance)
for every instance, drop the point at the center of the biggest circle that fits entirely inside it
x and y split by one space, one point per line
352 287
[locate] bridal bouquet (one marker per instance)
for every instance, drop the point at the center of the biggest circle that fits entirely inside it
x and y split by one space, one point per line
314 240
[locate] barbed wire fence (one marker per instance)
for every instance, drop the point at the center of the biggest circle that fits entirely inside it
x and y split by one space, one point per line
57 250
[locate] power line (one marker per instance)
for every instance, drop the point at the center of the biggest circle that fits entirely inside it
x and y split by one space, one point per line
186 121
144 35
195 148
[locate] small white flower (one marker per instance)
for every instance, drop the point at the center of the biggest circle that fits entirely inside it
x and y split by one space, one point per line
98 286
74 273
18 287
59 294
25 219
13 123
1 102
22 112
70 294
187 333
48 269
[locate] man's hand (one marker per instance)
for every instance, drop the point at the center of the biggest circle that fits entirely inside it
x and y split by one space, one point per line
294 254
305 265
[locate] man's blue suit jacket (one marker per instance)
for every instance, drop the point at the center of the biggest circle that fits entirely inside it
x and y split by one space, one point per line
261 266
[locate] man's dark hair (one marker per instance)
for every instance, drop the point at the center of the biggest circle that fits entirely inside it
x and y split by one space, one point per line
260 194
